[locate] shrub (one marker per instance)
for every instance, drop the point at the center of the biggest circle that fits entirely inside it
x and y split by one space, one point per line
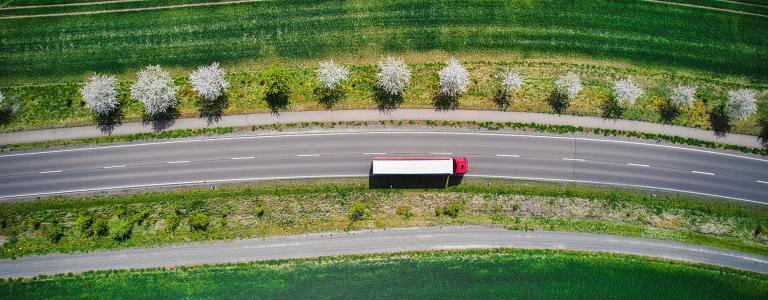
172 221
155 90
626 91
452 210
83 223
54 233
258 211
741 103
359 211
99 227
100 94
330 75
208 82
762 121
568 85
34 224
275 85
454 78
394 76
404 211
223 220
511 81
683 96
759 230
516 206
139 217
119 229
199 222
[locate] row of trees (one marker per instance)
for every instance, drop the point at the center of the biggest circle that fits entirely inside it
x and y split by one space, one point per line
156 90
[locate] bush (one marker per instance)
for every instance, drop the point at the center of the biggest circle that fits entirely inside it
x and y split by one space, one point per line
275 84
54 233
199 222
626 91
83 223
394 76
740 104
99 228
359 212
119 229
404 211
100 94
34 224
568 85
452 210
759 230
172 221
454 78
259 211
208 82
223 220
155 90
139 217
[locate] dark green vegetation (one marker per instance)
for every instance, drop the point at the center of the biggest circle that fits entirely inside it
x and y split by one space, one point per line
44 49
559 129
62 224
754 6
480 274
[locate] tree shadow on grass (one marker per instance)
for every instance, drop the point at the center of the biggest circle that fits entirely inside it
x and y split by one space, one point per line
444 103
668 112
328 98
502 100
212 110
107 123
763 136
719 121
162 121
386 102
6 116
277 102
611 109
558 102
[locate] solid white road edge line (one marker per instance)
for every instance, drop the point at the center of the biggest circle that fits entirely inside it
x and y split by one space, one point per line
245 157
760 181
49 172
308 155
178 162
507 155
703 173
385 132
113 167
366 175
573 159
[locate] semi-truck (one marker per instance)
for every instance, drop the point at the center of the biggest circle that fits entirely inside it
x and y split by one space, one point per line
419 165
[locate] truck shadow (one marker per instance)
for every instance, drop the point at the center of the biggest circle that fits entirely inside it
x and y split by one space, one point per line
413 181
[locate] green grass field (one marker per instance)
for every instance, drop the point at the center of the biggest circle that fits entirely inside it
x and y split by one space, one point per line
493 274
45 50
309 206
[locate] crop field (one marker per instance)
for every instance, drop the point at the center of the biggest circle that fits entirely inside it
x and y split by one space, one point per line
478 274
162 218
53 49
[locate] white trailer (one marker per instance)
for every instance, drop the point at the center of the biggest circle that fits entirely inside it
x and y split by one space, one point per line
418 166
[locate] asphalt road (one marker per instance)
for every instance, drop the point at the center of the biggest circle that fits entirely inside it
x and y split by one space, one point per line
383 241
349 154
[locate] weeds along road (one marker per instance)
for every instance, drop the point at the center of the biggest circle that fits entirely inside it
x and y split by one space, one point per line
394 240
339 154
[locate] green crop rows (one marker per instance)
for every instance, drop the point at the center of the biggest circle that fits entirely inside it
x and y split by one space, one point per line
494 274
52 49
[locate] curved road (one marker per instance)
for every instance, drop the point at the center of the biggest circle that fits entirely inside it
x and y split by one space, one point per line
338 154
397 240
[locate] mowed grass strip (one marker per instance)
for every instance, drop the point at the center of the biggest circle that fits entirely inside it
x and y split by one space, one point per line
65 48
478 274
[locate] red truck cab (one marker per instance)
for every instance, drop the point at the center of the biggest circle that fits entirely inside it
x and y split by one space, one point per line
460 165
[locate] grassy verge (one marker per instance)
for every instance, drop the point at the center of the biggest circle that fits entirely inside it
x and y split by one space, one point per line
60 105
494 126
479 274
159 218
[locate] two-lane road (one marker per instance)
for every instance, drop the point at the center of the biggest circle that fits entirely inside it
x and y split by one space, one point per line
334 154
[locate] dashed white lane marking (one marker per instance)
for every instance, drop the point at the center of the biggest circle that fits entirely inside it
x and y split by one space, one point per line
573 159
703 173
441 153
49 172
178 162
507 155
307 155
638 165
375 153
244 157
760 181
114 167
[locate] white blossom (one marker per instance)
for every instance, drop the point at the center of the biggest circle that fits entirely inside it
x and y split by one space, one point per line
626 91
155 89
683 96
100 93
454 78
568 85
741 103
330 74
394 76
208 82
511 81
